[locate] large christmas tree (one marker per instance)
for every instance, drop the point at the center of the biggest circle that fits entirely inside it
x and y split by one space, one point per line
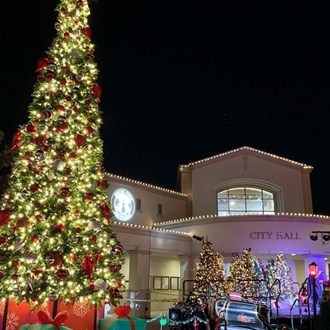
55 235
209 274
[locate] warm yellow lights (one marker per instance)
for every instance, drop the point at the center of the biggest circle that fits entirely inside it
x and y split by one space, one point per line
113 176
216 217
53 192
125 224
304 166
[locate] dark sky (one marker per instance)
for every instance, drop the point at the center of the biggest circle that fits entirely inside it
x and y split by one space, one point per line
183 80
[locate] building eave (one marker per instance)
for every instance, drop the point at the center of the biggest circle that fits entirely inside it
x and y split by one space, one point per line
246 150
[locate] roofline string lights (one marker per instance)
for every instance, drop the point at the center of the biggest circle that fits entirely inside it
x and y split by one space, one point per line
148 185
220 217
143 227
304 166
323 235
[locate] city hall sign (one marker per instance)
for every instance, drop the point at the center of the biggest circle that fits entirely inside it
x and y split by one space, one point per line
278 235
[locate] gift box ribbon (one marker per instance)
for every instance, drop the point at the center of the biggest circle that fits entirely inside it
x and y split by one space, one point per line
132 324
45 318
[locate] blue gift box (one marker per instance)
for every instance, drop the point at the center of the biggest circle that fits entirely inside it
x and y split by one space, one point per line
123 323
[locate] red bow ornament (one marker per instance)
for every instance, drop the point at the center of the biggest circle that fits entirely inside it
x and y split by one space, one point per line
87 32
97 91
88 265
80 140
122 311
45 318
17 140
105 212
42 63
4 217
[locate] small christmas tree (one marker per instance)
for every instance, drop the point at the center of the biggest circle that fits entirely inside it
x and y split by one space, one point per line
55 235
209 274
248 274
279 269
271 278
234 274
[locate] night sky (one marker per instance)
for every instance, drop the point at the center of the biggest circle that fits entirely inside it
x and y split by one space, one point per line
183 80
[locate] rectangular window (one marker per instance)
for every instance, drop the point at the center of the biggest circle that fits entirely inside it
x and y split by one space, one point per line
159 209
138 204
174 283
161 283
245 200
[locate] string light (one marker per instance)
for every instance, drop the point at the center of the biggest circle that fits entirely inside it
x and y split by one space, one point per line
215 217
291 162
113 176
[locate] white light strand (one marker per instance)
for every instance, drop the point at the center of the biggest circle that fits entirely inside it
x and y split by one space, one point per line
304 166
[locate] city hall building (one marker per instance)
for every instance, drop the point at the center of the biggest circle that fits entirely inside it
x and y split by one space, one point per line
240 198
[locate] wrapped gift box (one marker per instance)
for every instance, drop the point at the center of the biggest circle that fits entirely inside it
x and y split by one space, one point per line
47 322
82 315
19 314
123 323
41 327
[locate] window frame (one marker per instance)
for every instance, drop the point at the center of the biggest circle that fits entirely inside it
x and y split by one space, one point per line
159 210
138 205
244 204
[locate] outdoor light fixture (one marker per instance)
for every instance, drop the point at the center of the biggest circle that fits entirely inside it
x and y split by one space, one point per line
313 271
198 238
313 237
324 235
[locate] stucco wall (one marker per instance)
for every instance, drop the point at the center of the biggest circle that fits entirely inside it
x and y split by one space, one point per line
173 206
209 178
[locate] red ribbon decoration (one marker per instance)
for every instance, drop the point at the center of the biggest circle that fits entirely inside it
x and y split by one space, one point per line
87 32
88 265
105 212
4 217
122 311
42 63
45 318
17 140
80 140
97 91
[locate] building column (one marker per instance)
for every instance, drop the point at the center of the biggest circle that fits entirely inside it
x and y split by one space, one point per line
187 273
139 274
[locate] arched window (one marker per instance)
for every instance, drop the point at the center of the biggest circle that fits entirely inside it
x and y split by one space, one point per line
245 200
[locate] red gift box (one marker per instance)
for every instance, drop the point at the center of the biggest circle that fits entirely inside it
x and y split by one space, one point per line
82 316
19 314
47 322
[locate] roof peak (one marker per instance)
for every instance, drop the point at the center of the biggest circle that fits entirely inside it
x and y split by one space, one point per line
250 149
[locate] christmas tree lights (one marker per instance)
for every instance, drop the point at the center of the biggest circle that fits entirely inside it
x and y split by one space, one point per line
247 273
209 274
55 235
279 269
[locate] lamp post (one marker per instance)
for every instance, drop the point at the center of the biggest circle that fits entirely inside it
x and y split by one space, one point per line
313 271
